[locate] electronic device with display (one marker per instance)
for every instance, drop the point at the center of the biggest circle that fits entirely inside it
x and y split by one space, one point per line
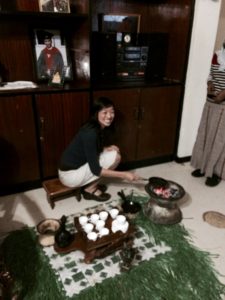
128 56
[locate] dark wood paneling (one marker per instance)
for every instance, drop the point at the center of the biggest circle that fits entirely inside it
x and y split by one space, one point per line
16 52
158 123
60 117
18 147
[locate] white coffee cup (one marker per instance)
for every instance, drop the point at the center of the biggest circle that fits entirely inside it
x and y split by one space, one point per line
124 227
88 227
114 212
83 220
121 219
115 226
94 218
104 231
99 224
103 215
92 236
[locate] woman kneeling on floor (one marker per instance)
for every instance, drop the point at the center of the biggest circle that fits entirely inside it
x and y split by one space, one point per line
87 158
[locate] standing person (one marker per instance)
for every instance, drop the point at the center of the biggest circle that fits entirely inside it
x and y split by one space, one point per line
50 60
208 155
87 158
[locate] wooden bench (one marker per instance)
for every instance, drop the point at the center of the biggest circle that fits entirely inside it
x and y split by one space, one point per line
55 190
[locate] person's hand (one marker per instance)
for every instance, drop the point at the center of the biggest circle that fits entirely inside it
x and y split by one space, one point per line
219 97
131 176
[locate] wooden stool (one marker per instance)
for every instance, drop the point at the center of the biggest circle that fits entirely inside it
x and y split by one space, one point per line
55 190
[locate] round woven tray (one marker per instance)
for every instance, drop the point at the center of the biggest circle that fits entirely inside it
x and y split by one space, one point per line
214 218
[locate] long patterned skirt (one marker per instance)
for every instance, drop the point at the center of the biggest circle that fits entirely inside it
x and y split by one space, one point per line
209 150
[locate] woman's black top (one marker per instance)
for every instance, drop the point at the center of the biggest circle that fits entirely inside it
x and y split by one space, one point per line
82 149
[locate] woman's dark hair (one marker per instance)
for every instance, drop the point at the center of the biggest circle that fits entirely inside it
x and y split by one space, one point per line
98 105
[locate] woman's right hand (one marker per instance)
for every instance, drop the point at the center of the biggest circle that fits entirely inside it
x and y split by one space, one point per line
131 176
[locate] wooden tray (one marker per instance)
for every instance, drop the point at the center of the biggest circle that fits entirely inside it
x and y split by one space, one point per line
103 246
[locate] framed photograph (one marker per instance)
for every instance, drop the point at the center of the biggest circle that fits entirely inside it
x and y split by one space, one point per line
57 6
51 56
119 23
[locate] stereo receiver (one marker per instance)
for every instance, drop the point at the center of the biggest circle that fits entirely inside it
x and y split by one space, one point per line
131 62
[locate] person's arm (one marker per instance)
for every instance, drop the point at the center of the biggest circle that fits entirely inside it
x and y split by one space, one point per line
89 142
130 176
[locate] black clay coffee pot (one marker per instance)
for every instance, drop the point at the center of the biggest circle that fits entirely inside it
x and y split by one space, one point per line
63 237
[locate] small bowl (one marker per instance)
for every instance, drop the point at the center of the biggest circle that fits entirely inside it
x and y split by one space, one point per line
47 229
48 226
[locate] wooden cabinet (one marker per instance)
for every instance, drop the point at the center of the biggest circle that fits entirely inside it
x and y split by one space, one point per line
158 124
18 144
146 120
59 116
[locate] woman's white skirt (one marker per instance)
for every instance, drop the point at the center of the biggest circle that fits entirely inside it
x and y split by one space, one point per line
83 175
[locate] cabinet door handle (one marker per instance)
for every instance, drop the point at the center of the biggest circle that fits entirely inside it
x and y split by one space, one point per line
42 122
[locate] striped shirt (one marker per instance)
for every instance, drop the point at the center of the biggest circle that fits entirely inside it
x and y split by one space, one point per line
217 76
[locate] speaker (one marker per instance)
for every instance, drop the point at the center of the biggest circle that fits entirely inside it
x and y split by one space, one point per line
103 55
157 43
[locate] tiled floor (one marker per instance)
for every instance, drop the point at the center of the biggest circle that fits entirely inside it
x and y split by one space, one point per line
30 207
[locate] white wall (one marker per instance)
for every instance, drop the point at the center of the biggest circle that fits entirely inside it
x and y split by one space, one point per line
204 32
